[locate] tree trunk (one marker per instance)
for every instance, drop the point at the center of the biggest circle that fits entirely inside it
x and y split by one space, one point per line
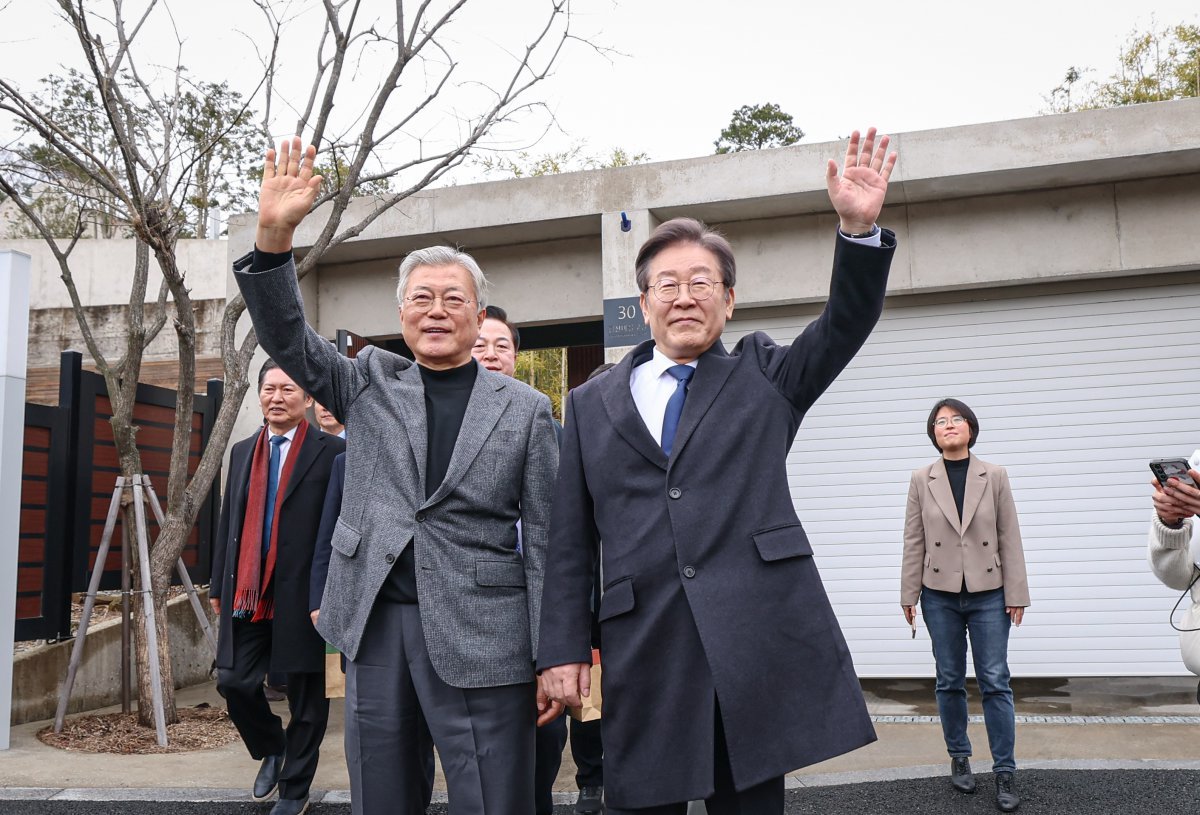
145 684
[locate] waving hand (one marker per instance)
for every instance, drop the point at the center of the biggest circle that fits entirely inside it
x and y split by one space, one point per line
288 191
857 194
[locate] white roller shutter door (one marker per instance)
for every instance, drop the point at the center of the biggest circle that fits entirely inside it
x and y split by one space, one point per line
1074 393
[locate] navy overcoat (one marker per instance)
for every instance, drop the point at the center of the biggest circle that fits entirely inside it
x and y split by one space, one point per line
711 593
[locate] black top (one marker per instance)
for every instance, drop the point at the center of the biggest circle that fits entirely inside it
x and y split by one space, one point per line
956 471
446 396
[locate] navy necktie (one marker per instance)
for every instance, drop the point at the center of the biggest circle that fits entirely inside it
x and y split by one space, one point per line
272 490
683 375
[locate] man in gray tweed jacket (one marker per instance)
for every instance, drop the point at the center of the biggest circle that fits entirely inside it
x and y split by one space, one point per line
427 594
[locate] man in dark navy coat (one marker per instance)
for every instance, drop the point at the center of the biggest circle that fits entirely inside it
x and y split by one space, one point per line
724 666
262 557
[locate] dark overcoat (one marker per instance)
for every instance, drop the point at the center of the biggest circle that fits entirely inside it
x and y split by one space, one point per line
296 647
710 586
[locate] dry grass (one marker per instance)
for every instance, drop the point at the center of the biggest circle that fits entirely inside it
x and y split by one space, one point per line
200 728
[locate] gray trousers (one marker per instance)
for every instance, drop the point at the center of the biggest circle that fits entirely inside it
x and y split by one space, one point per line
484 736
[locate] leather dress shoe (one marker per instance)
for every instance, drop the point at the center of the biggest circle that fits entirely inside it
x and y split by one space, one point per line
961 776
290 806
268 777
1007 799
590 801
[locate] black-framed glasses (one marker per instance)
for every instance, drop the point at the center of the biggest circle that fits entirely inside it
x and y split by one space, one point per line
700 288
954 421
423 301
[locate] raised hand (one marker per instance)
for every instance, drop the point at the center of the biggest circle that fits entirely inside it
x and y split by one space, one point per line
288 191
857 194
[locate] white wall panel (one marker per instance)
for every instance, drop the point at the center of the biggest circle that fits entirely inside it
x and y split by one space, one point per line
1075 394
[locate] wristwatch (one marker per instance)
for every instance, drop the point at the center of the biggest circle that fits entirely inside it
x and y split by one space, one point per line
874 229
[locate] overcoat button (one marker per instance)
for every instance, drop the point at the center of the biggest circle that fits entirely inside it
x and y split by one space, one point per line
937 543
989 568
689 572
420 517
675 492
390 558
985 543
936 569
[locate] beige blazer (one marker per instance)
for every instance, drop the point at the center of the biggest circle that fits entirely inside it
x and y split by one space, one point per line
984 549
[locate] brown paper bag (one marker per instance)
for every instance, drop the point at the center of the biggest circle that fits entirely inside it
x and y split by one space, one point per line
335 677
589 711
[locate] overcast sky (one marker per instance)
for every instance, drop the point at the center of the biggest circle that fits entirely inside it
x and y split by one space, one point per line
684 65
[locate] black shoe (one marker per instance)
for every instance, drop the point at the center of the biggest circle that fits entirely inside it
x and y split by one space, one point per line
961 776
590 801
268 777
290 806
1007 799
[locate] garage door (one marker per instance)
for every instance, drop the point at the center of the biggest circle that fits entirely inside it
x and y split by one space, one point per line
1075 393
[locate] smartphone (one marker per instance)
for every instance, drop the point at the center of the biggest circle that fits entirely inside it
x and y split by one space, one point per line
1177 468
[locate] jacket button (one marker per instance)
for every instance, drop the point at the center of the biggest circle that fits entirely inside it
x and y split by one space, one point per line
985 543
689 572
390 558
675 492
989 568
936 569
937 543
420 517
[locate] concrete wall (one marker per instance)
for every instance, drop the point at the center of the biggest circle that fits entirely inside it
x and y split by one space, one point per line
38 674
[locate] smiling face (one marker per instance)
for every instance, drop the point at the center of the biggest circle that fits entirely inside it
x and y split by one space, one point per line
282 400
494 348
686 328
440 338
952 438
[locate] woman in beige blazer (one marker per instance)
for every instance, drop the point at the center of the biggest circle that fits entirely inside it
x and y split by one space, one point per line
963 561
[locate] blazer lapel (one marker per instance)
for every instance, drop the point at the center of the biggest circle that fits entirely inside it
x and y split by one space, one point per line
976 481
618 401
939 486
410 400
712 371
307 453
488 400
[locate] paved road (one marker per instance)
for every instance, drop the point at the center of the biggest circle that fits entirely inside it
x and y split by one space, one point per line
1045 792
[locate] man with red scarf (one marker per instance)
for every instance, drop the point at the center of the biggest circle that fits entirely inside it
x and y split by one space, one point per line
261 562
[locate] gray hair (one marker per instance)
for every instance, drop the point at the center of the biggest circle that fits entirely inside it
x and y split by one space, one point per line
443 256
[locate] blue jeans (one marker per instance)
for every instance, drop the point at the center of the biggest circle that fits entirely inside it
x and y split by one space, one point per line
950 617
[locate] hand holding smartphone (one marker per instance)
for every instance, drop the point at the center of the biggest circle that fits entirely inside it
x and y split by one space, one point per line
1167 468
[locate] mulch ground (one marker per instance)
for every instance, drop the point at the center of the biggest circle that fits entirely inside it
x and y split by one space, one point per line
199 728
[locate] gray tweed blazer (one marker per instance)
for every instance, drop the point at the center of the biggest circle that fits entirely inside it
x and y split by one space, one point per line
479 598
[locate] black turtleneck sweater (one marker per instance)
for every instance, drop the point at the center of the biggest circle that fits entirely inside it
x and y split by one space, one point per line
956 471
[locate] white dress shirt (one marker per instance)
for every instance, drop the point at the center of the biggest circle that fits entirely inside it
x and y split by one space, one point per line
652 387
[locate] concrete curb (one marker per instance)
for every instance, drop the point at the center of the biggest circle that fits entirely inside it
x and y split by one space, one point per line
203 795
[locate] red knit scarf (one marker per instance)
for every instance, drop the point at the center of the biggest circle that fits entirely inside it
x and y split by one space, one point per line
252 596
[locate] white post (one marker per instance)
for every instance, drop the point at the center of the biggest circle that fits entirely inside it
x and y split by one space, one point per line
14 341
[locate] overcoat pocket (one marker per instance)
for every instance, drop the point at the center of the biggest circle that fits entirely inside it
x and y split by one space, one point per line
617 599
345 538
781 542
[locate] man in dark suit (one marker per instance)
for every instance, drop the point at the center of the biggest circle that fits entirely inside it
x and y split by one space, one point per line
724 666
260 574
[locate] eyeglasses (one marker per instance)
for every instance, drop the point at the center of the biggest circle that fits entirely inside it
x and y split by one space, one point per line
700 288
422 301
953 420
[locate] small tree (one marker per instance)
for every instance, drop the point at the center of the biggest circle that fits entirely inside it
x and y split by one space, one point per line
757 127
133 160
1153 66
